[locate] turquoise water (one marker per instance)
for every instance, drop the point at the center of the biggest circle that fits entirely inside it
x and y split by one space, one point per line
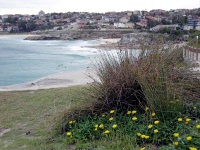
23 61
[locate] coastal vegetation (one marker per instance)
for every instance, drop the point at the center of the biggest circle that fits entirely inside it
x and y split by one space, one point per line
145 101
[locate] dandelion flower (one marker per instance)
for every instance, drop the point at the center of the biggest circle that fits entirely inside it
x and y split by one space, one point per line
112 111
107 132
187 119
192 148
153 114
155 131
110 119
114 126
150 126
128 112
146 137
95 129
143 136
198 126
186 122
189 138
180 119
176 134
96 126
70 122
68 133
139 134
134 118
142 148
156 122
176 143
101 126
134 112
147 108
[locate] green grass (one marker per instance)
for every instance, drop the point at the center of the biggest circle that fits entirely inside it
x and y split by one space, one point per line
34 113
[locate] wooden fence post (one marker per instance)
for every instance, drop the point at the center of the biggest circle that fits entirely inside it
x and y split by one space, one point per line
197 49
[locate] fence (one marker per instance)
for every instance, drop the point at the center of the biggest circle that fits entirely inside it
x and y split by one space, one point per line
192 53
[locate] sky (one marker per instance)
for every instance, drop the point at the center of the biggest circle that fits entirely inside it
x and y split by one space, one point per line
48 6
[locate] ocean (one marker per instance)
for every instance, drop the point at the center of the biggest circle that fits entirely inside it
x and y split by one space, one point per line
24 61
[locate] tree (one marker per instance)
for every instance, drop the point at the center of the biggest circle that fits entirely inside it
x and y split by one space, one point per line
134 18
22 26
151 23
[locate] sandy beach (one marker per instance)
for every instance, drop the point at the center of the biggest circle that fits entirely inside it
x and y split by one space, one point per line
64 79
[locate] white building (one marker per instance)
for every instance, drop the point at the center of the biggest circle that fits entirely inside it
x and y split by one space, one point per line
124 19
119 25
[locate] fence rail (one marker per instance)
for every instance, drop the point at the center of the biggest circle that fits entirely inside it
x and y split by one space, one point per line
191 53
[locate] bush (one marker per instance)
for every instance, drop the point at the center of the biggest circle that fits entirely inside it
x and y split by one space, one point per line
157 77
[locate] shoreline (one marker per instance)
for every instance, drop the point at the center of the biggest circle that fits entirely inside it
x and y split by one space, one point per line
62 79
59 80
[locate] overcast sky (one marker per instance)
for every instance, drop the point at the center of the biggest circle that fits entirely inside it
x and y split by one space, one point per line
34 6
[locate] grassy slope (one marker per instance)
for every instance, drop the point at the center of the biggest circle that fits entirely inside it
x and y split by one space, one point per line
32 113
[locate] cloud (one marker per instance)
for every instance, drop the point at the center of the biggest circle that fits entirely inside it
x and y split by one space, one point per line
34 6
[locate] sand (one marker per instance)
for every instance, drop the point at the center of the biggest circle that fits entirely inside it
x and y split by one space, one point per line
64 79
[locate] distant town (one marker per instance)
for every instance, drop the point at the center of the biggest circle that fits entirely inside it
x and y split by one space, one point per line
154 20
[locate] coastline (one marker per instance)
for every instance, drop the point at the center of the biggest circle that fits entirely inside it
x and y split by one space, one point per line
59 80
62 79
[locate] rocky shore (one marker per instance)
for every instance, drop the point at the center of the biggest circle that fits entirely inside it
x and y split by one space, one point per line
76 35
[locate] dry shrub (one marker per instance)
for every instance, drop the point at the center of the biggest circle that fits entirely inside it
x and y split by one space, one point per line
156 78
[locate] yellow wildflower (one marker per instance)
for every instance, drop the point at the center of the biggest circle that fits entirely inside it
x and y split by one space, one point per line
194 107
114 126
96 126
192 148
150 126
103 115
180 119
68 133
153 114
134 112
74 121
142 148
134 118
107 132
189 138
142 136
147 108
155 131
176 143
177 100
112 111
187 119
186 122
70 122
156 122
146 137
110 119
101 126
128 112
139 134
198 126
176 134
95 129
71 136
